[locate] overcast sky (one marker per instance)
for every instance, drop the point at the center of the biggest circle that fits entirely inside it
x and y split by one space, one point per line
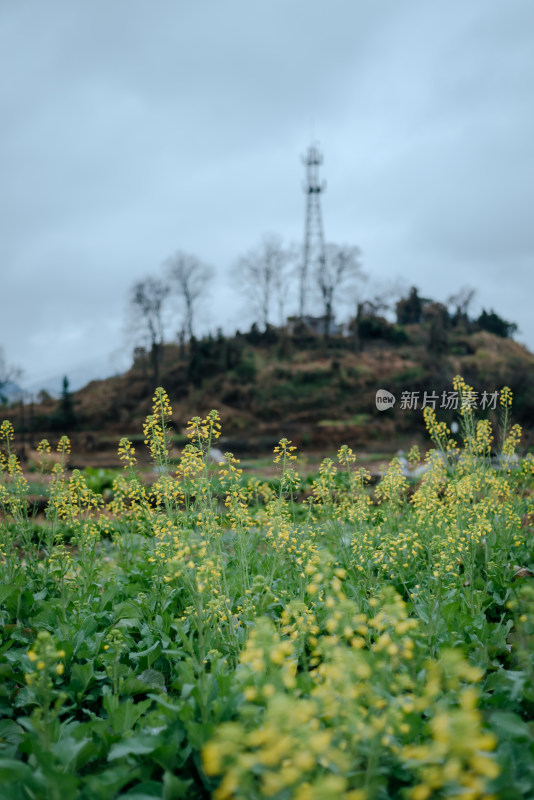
132 129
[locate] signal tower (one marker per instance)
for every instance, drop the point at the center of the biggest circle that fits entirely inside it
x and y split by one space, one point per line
314 254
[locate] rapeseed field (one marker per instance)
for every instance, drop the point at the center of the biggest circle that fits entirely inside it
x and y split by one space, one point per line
212 635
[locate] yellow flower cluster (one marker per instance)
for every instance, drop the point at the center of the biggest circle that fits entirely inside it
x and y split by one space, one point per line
484 437
284 452
323 487
130 499
506 397
44 447
71 499
63 446
191 464
127 452
204 431
161 405
439 432
511 441
456 757
358 700
12 500
236 498
392 488
44 659
467 395
7 434
155 438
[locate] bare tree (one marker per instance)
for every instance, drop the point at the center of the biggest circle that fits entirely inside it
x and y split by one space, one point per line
336 273
147 301
285 260
189 277
8 373
459 303
263 276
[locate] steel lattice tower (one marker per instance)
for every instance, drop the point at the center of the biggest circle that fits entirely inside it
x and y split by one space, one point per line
313 255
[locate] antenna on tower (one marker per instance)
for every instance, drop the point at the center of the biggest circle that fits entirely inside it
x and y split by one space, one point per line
313 254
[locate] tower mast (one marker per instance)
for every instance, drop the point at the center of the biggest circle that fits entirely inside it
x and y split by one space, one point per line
313 255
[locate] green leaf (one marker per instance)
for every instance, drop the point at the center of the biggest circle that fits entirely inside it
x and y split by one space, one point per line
127 622
106 784
10 731
81 676
132 686
69 751
12 770
144 790
175 788
187 688
165 703
109 594
154 679
510 726
136 656
7 590
136 745
126 715
127 609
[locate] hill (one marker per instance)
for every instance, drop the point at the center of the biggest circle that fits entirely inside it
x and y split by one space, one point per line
318 392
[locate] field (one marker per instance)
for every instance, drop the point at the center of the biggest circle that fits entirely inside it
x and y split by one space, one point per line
221 635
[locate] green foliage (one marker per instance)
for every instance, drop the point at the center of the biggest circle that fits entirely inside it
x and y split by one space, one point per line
100 480
219 635
67 414
410 309
209 357
376 327
492 322
246 370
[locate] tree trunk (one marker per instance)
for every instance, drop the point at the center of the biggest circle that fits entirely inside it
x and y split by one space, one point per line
189 315
155 363
327 318
358 344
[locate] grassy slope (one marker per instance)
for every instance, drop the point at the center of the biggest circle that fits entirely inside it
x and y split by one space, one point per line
316 395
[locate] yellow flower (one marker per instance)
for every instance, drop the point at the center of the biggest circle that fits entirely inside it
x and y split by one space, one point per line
161 403
420 792
64 445
484 765
506 397
43 447
320 741
126 452
6 431
304 760
211 758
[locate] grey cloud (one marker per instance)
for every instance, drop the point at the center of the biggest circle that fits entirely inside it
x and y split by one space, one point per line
134 129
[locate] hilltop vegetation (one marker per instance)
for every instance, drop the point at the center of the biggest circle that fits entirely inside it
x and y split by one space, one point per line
321 389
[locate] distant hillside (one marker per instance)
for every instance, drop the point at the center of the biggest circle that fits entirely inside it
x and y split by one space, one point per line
317 392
